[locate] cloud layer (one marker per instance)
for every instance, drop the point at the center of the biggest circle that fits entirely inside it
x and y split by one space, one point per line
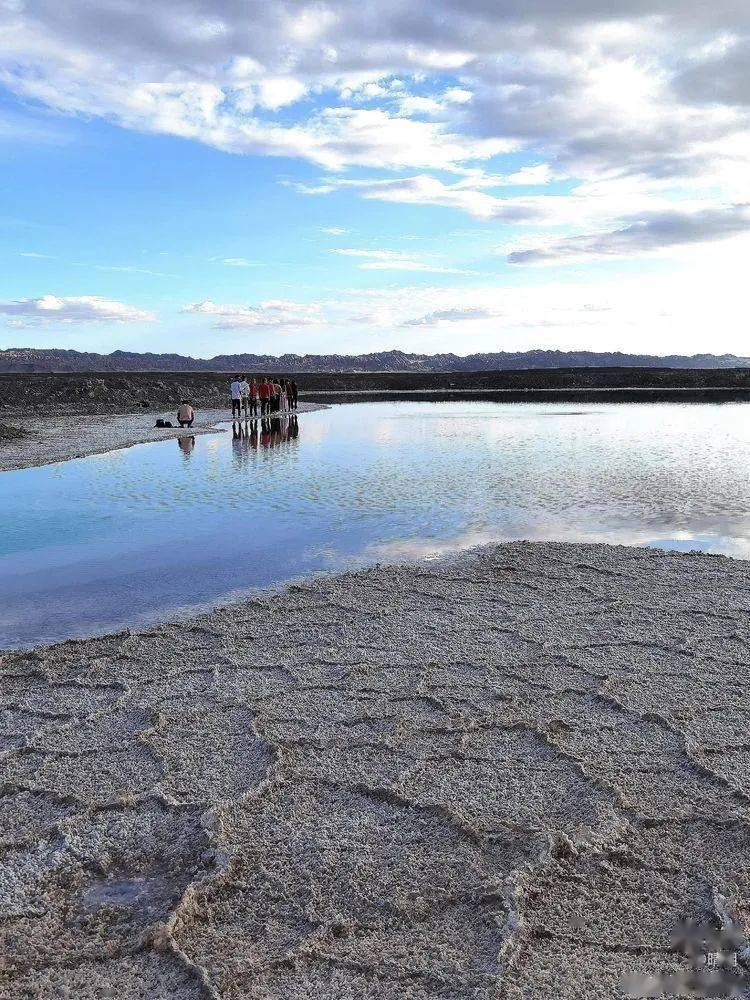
272 314
72 309
395 260
577 131
440 85
653 233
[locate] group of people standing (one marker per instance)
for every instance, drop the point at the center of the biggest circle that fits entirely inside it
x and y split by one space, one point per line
262 396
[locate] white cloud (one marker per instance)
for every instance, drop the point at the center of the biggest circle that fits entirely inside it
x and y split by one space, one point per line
371 137
237 261
466 194
126 269
334 137
457 95
74 309
407 264
540 173
277 92
270 314
458 315
334 230
436 106
395 260
416 105
374 254
653 233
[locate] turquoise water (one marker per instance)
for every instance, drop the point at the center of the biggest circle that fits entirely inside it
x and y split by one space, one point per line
137 535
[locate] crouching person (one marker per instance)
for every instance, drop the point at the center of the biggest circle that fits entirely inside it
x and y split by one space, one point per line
185 414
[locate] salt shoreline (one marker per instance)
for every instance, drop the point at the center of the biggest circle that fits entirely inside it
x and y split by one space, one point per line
59 438
520 768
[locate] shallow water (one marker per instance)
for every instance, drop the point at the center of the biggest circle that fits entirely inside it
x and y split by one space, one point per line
136 535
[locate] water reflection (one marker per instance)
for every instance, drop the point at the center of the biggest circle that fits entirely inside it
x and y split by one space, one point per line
269 432
94 544
186 445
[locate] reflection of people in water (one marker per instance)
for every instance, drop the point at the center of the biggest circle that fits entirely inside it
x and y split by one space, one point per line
265 433
239 441
186 444
279 430
270 432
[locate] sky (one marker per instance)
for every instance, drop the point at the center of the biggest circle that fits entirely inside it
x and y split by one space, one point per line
221 176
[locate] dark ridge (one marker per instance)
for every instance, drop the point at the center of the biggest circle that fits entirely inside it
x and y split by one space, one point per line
20 360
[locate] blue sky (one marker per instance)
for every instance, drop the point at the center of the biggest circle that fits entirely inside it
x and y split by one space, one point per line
291 177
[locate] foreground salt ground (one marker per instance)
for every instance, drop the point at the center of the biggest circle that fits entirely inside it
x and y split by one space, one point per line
513 774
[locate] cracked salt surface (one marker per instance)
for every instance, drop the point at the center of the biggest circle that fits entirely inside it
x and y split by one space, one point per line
513 774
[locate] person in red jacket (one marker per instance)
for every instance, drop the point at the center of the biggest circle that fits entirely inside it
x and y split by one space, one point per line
264 395
254 398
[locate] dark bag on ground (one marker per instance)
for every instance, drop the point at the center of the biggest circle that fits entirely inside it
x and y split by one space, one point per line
163 423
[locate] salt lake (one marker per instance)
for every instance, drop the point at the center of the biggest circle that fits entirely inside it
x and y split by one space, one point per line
134 536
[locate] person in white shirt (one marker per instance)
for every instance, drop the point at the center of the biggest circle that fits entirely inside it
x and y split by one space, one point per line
236 395
244 394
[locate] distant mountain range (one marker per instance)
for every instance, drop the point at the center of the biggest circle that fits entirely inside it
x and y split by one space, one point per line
28 359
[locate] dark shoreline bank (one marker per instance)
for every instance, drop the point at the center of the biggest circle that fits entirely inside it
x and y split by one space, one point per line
122 392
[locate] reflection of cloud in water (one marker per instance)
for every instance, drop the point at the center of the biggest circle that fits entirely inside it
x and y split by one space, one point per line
386 431
521 411
400 549
488 421
420 548
319 429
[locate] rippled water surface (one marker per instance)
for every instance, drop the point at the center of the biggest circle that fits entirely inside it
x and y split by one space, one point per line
135 535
